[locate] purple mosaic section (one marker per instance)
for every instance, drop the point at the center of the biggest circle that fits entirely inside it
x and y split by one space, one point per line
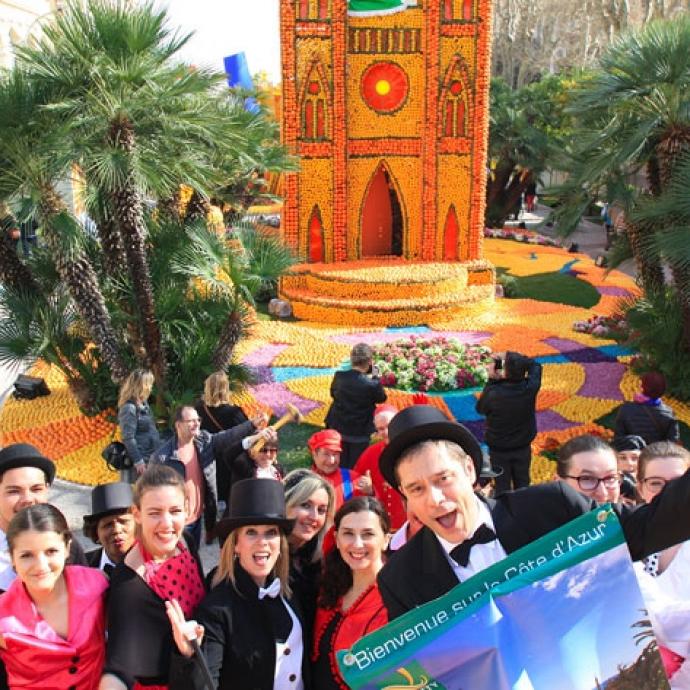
264 356
577 352
548 420
477 428
264 374
613 291
277 396
466 337
602 380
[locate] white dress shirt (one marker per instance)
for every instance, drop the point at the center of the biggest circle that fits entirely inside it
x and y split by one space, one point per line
105 560
482 555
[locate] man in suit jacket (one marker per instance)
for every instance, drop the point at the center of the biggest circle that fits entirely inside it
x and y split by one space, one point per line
433 462
110 524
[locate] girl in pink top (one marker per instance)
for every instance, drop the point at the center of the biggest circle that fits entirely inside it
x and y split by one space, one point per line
52 618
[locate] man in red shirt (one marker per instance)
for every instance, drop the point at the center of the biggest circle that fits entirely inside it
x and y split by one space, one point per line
325 447
368 463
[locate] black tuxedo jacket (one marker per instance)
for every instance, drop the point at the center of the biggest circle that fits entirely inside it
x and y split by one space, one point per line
93 558
420 572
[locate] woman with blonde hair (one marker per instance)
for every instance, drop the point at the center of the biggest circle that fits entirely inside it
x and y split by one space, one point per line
217 414
310 502
250 626
137 425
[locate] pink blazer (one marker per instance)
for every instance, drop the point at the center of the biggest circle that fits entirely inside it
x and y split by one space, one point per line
36 656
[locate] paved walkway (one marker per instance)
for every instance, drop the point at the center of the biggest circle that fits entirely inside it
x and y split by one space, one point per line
590 237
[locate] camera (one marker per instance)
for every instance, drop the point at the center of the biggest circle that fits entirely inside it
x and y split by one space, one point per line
498 363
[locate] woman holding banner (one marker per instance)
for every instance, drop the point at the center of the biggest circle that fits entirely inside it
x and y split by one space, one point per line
350 605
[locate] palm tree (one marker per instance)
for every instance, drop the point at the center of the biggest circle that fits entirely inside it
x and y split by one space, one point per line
634 115
31 164
140 124
12 271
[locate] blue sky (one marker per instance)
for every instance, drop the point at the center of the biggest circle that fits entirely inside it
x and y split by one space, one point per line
224 27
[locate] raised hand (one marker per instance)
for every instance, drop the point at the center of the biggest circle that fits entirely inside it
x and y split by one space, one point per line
184 631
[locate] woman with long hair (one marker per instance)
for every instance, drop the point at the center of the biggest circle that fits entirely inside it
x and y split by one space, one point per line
137 425
663 576
217 413
350 605
309 501
251 627
52 617
161 566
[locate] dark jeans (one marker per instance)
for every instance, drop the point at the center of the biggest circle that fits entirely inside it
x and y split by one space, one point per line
194 532
515 464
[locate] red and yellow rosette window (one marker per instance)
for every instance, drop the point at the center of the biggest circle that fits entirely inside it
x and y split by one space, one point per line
385 87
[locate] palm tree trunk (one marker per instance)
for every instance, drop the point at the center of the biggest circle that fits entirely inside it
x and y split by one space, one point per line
649 269
229 337
114 256
12 271
128 211
82 283
198 207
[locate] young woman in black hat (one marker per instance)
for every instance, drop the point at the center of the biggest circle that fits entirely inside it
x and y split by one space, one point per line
252 630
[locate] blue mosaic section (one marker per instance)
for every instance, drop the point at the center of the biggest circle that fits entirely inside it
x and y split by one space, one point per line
410 330
616 350
553 359
461 404
566 267
282 374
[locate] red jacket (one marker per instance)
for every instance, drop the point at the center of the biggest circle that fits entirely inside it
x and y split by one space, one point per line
367 614
389 497
344 483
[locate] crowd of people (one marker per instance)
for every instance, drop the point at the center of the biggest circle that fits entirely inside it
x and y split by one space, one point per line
313 559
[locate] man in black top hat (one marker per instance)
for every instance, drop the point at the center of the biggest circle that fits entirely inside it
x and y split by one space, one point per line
434 462
111 524
25 476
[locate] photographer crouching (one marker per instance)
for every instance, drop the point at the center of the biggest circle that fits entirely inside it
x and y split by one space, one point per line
508 402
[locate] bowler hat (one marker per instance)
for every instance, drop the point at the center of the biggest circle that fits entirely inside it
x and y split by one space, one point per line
255 502
424 423
115 497
26 455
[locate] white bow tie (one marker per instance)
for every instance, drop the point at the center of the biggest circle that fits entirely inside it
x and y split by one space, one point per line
273 590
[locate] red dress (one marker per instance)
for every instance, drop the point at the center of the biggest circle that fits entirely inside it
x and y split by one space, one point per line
389 497
366 614
36 656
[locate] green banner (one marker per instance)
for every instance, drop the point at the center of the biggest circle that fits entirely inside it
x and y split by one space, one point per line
374 7
478 624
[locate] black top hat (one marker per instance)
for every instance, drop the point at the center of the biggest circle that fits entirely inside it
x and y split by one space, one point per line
255 502
629 442
26 455
424 423
116 497
488 471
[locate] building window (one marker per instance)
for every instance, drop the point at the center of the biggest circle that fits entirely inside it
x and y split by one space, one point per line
315 106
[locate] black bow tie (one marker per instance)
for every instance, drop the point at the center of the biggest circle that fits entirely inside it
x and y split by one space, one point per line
461 553
108 569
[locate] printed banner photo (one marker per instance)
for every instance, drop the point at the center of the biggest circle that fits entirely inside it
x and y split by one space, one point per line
563 613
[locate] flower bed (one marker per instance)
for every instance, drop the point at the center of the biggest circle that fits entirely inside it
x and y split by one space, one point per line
613 327
431 364
520 235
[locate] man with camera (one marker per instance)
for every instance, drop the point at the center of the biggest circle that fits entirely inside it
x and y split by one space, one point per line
508 402
355 393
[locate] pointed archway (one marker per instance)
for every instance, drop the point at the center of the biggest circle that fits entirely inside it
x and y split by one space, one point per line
451 232
382 218
316 254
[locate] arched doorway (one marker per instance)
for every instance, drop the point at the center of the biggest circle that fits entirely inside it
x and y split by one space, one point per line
382 218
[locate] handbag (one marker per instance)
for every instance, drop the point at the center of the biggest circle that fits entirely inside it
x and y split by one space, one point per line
116 456
213 419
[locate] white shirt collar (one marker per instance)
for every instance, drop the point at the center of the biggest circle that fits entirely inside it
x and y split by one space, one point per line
105 560
482 556
483 518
